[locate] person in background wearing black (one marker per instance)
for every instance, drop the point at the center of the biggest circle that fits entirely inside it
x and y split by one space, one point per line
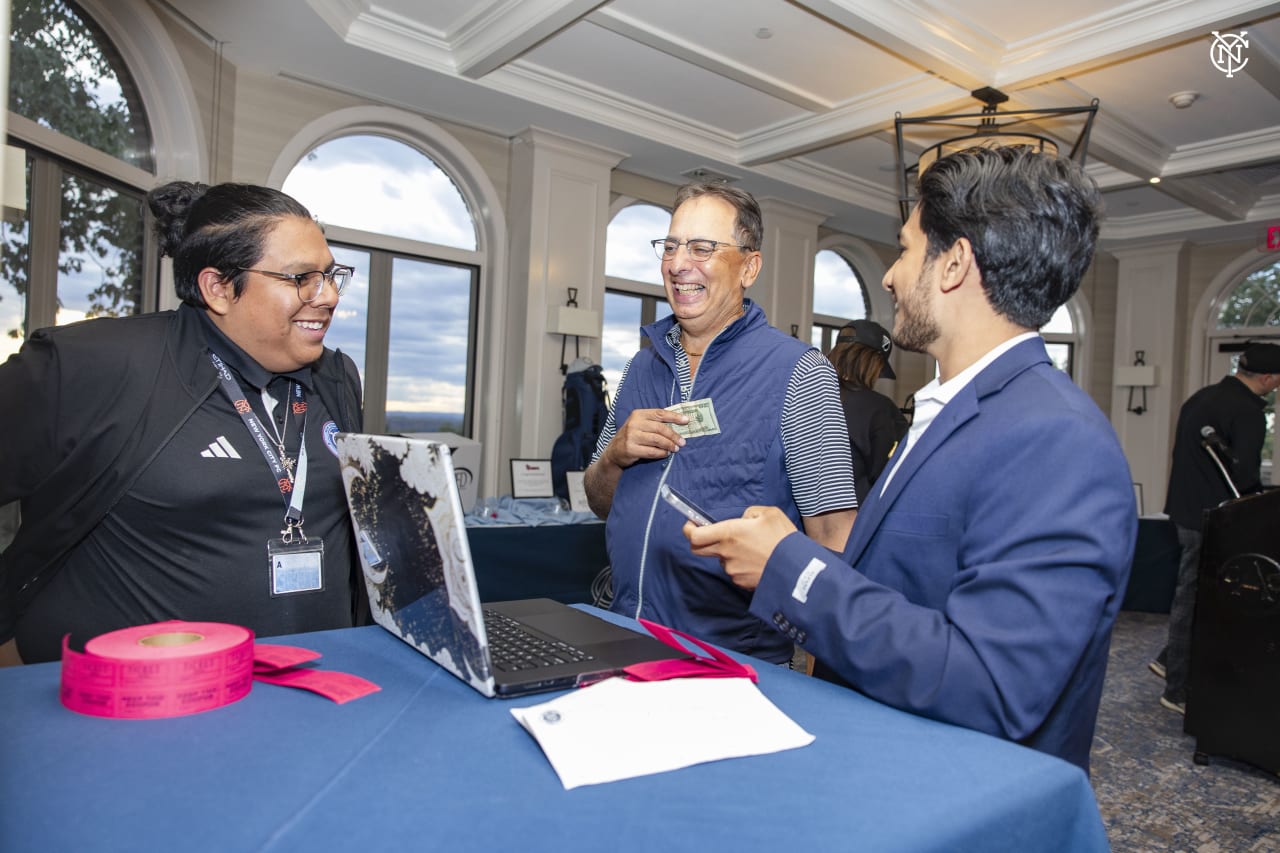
1229 417
861 358
157 475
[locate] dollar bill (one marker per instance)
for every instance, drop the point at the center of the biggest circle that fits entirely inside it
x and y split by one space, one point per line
702 418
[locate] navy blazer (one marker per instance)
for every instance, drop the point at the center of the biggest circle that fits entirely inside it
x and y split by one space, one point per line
981 588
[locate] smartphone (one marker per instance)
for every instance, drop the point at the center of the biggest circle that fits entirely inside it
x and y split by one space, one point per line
687 508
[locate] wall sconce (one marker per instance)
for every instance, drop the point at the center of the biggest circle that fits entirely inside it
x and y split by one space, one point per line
569 319
1137 378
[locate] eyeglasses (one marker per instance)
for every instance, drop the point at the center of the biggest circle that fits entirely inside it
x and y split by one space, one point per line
699 250
311 284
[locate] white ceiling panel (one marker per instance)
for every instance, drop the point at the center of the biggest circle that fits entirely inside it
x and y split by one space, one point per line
806 115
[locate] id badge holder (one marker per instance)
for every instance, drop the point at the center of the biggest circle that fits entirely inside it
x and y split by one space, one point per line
295 564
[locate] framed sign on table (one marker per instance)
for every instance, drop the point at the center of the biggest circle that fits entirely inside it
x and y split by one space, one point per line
531 478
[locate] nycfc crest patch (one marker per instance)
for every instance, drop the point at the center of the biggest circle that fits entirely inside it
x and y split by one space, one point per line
330 430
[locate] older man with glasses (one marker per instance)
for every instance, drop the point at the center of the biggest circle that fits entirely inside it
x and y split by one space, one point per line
728 411
181 464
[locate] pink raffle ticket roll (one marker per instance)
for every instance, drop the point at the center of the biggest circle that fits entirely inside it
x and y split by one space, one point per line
168 669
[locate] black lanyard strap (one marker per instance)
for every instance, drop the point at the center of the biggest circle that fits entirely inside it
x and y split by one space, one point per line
292 486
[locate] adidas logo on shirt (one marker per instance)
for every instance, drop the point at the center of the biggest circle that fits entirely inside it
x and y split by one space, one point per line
220 449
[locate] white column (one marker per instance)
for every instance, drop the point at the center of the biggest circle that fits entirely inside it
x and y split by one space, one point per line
784 288
1146 319
559 213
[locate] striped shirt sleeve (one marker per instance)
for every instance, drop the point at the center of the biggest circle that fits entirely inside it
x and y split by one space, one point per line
816 440
610 427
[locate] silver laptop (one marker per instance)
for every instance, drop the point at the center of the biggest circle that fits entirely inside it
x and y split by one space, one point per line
422 586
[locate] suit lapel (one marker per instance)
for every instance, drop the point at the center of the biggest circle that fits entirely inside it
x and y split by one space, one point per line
958 411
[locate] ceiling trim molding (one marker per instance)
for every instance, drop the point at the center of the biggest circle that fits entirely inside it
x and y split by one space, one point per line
848 121
1234 151
607 107
1117 33
339 14
698 55
398 37
946 45
1223 196
503 31
832 183
1182 222
1137 151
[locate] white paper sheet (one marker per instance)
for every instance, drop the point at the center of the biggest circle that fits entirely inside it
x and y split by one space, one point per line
618 729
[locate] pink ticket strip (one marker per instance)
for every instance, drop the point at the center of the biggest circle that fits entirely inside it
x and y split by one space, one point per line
175 668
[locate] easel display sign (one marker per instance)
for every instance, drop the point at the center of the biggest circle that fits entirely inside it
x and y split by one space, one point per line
531 478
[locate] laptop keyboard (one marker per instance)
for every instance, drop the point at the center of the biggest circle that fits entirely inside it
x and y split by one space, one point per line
512 648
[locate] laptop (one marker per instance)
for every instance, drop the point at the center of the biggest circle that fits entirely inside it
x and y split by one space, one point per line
409 528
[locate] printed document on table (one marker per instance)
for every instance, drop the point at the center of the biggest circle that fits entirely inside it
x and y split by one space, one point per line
667 725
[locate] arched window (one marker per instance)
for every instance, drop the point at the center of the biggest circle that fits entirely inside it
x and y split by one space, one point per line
409 316
1060 340
1254 303
79 125
1249 311
634 294
838 297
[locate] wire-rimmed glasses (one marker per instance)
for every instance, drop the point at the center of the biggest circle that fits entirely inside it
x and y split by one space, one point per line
311 283
699 250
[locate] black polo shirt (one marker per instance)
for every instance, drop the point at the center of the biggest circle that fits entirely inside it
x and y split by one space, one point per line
189 539
1195 482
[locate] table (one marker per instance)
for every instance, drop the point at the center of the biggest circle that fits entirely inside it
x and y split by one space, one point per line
1154 573
428 764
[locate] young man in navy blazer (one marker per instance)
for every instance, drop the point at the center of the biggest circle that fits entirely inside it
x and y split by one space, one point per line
985 569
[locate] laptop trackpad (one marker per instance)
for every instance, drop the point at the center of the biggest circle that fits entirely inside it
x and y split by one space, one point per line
604 640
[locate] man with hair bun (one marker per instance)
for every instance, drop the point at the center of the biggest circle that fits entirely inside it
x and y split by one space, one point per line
181 464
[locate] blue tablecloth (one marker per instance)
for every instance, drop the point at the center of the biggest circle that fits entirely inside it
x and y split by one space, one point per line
428 764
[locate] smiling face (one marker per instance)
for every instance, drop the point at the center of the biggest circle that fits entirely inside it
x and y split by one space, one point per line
910 281
706 296
268 320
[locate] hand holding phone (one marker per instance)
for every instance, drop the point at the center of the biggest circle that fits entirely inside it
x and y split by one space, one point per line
687 508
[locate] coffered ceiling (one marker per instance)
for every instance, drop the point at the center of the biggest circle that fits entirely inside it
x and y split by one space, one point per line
795 99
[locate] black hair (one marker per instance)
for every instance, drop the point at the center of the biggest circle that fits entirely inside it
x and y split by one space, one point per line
223 226
748 223
1032 219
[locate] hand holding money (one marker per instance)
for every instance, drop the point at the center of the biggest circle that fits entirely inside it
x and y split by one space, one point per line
702 418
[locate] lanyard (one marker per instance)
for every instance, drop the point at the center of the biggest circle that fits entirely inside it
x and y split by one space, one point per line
292 487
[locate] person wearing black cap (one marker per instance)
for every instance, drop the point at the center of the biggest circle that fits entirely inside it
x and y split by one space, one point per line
861 358
1229 417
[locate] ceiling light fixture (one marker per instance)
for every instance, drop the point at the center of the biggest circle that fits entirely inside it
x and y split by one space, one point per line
941 135
1182 100
707 175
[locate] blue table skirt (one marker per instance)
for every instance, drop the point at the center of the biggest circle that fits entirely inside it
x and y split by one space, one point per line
427 764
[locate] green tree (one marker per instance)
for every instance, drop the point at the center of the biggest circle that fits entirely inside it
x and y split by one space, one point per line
1253 302
64 75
